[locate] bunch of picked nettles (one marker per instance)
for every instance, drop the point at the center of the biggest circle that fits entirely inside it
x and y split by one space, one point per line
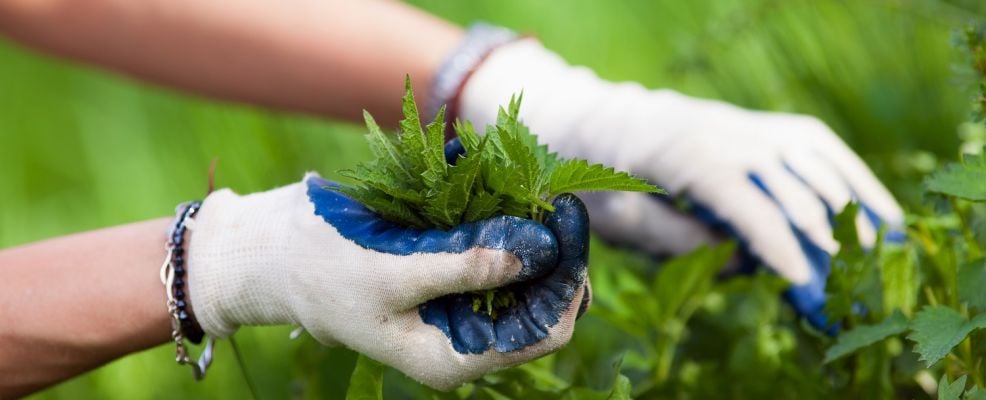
504 171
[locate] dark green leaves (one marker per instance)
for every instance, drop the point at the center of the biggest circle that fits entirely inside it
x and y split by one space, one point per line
503 172
966 180
951 391
851 341
937 329
971 283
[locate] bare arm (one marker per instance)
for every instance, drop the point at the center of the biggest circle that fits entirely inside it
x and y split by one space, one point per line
74 303
325 57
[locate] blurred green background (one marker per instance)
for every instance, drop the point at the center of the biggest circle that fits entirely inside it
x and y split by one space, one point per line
82 149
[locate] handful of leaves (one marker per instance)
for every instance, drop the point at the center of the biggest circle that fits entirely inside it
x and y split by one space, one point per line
504 171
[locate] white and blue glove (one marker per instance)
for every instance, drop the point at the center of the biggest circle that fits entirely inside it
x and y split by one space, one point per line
307 255
772 180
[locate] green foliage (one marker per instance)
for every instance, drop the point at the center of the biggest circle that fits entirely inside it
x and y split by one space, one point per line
951 391
937 329
366 382
973 40
971 282
505 171
966 180
851 341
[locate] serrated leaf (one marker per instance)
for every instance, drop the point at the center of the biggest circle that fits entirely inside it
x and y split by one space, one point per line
366 382
579 176
937 329
384 149
850 341
965 180
468 136
951 391
899 278
448 201
522 160
412 145
506 171
384 205
384 179
481 206
975 393
518 147
621 389
434 146
971 282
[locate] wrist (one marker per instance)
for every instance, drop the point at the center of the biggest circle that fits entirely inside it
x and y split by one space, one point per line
231 259
447 82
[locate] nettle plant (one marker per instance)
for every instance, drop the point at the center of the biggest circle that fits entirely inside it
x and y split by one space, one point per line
927 295
505 171
911 314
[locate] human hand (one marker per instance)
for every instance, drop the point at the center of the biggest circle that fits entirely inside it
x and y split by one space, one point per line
772 180
307 255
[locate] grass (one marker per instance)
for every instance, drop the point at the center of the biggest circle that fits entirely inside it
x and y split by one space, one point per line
81 149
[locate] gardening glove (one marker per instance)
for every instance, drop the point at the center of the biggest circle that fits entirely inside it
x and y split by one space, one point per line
307 255
771 180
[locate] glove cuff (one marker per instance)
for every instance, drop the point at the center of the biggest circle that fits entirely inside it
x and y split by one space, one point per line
233 275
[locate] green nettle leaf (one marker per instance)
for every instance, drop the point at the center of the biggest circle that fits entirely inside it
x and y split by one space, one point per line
971 283
899 277
378 178
951 391
848 266
579 176
388 207
851 341
451 197
937 329
975 393
504 172
685 280
621 389
411 141
384 149
366 383
481 206
966 180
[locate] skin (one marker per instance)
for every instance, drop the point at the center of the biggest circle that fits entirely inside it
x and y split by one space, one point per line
55 328
332 58
74 303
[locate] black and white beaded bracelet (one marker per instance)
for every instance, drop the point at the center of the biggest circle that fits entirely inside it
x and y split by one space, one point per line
480 40
173 277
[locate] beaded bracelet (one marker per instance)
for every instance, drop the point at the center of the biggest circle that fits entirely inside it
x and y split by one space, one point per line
447 83
173 277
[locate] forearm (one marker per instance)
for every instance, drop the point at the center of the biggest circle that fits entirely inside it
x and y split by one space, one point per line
326 57
73 303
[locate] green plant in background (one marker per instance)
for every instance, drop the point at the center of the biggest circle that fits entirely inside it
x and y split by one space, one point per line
973 40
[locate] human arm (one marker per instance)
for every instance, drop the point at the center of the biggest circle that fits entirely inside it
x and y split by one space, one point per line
301 254
73 303
332 58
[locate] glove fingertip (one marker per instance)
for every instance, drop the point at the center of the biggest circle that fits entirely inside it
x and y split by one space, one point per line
454 149
570 224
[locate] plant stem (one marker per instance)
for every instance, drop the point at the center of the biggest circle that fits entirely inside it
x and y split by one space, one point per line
970 239
243 371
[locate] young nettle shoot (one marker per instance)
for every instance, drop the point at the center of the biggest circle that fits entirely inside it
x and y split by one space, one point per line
504 171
